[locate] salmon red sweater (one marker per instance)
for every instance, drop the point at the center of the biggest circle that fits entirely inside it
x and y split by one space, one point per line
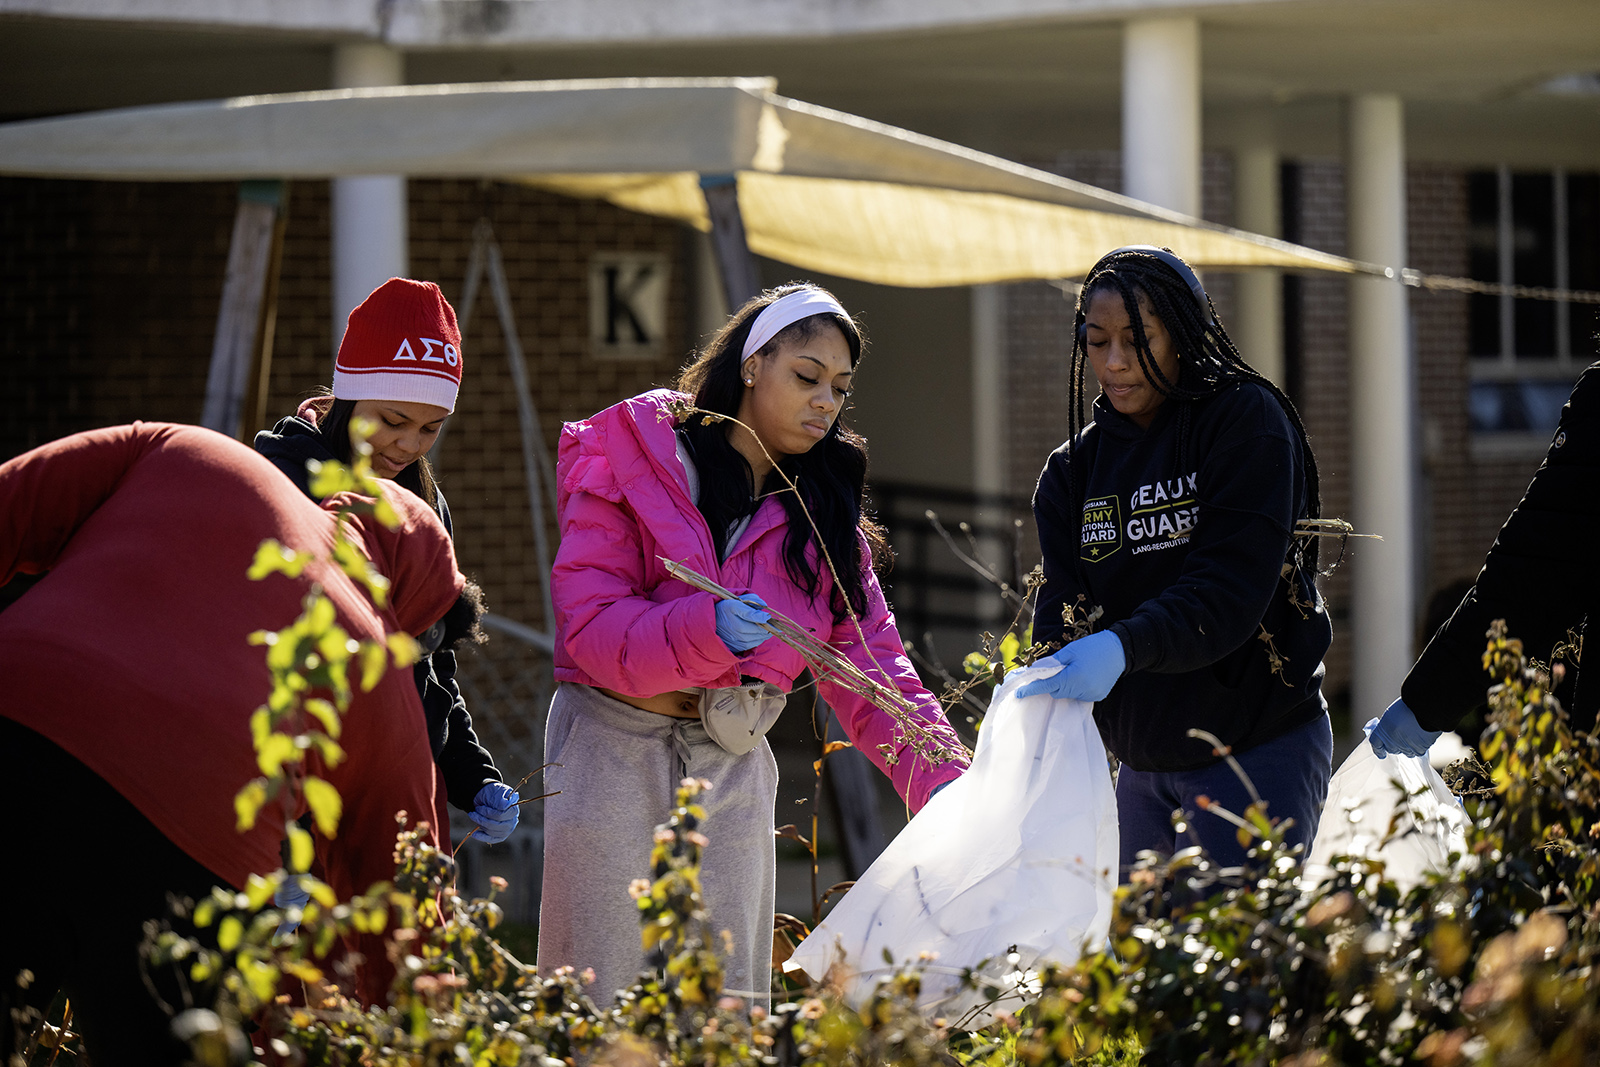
133 652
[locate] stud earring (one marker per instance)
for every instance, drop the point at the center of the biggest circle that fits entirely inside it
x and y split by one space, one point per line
749 382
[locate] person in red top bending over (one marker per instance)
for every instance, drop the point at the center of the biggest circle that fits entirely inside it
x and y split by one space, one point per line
124 728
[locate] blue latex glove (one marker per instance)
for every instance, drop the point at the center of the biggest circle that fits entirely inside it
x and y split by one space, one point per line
1090 666
289 894
1398 733
739 623
494 809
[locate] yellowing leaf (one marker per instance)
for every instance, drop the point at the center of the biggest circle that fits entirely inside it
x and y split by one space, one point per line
274 558
262 979
258 890
332 755
329 477
385 513
325 803
303 970
374 661
273 752
247 803
229 933
326 714
300 849
320 614
260 725
1009 647
404 649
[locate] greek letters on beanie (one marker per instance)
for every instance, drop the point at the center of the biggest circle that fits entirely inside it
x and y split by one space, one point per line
401 344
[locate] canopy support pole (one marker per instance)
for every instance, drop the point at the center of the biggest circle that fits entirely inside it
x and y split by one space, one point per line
740 278
241 352
538 471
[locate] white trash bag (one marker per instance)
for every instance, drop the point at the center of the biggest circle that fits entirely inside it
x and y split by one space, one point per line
1013 863
1367 794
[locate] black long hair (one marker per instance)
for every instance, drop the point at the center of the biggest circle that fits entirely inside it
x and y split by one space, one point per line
831 476
1208 361
333 426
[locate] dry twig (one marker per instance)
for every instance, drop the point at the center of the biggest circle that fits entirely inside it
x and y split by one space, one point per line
826 661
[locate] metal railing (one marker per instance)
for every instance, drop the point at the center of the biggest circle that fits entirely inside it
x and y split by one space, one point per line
931 589
508 683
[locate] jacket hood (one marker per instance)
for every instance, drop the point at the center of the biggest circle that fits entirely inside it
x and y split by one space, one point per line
294 438
1116 424
634 441
417 556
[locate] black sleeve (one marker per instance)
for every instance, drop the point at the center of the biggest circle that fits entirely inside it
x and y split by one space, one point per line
1058 521
1248 488
294 467
465 764
1539 576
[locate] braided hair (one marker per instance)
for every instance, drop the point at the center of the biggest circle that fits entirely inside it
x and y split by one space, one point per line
1208 361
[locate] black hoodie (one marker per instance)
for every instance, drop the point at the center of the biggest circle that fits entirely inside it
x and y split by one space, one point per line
1541 576
464 763
1184 549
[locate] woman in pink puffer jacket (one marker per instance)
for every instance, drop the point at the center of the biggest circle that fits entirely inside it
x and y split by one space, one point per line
660 681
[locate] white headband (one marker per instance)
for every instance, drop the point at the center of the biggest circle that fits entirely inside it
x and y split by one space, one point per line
786 311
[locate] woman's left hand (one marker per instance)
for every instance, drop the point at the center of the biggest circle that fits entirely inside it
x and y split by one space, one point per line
742 623
494 809
1090 666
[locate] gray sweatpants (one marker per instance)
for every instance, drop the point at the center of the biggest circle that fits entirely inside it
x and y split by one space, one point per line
617 771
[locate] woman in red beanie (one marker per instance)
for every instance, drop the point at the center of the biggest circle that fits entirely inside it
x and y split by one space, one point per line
399 367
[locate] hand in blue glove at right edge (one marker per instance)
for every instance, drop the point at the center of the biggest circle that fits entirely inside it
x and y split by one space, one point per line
739 623
1398 733
1090 666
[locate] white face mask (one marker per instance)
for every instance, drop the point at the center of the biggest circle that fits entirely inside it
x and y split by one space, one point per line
738 717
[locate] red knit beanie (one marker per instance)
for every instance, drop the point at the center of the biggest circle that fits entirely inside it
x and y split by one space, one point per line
402 344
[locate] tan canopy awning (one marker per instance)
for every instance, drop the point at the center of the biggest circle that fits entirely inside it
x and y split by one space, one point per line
819 189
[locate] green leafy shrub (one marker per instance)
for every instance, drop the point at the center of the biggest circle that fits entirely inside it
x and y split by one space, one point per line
1493 965
1204 966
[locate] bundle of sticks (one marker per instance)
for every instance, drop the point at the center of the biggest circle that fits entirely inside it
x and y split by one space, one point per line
827 662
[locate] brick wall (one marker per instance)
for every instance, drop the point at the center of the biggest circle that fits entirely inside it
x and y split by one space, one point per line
1437 235
546 241
108 304
1325 400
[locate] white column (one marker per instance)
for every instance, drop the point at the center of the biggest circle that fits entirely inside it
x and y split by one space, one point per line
1258 325
988 388
989 426
369 212
1161 112
1382 463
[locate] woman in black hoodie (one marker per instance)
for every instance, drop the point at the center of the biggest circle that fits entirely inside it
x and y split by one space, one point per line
1168 529
399 367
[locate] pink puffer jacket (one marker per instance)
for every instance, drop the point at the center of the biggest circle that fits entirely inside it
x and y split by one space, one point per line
624 624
